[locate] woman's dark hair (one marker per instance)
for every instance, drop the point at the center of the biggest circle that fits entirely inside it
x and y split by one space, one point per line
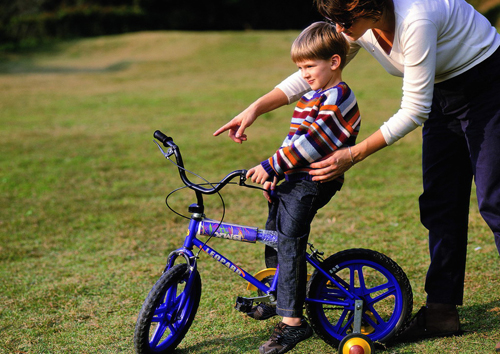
345 11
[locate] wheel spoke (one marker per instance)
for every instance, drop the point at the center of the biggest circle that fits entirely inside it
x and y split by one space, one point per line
361 277
164 313
160 312
379 324
383 290
167 309
340 326
159 332
171 295
329 293
391 291
181 304
365 290
352 277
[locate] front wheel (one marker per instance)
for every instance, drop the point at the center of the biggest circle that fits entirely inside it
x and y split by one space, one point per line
168 311
369 276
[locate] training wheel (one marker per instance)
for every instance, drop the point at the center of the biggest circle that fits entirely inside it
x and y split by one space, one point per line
356 343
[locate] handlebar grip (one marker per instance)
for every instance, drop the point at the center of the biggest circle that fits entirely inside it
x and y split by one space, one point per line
162 138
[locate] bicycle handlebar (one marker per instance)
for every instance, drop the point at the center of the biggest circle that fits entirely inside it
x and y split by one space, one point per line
174 149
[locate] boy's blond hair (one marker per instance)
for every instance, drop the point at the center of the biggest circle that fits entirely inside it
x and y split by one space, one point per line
319 41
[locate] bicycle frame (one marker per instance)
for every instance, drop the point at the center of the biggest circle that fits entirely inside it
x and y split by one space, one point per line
199 226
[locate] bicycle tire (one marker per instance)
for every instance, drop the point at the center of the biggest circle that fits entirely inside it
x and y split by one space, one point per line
168 311
372 276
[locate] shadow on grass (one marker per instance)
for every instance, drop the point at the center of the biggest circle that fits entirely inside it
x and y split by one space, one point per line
480 317
228 345
19 60
474 319
25 67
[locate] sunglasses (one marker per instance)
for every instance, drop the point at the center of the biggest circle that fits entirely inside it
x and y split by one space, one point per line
345 25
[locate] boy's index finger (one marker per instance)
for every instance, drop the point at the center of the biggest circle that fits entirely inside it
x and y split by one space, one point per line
250 172
221 130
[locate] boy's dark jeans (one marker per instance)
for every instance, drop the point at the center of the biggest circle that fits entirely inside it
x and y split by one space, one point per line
291 213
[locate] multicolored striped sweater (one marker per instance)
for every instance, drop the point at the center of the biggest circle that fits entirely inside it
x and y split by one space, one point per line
322 122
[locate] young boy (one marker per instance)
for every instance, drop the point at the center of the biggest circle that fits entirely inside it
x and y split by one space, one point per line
325 119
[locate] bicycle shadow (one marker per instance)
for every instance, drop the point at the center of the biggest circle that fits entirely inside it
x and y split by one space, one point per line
228 345
479 318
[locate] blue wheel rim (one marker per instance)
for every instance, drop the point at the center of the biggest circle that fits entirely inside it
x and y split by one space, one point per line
171 315
383 302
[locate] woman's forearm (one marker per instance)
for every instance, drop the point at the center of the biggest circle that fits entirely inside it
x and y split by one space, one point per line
343 159
370 145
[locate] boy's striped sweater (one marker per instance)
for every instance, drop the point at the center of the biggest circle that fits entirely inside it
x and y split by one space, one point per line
322 122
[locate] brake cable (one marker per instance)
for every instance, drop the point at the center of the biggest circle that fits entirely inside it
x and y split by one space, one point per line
203 184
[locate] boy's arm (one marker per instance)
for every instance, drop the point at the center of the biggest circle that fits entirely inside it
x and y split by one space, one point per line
257 174
331 128
269 102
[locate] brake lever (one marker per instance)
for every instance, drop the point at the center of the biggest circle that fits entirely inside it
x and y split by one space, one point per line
167 154
243 177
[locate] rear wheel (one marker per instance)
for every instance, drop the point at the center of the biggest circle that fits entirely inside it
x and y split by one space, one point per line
369 276
168 311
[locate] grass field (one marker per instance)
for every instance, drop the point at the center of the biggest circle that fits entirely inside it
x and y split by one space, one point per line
84 231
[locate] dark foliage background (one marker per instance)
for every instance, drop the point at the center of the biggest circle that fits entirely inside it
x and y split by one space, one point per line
38 19
31 21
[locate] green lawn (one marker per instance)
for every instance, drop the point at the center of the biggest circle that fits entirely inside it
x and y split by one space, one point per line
84 231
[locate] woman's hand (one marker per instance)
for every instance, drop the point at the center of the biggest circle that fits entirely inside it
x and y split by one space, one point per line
343 159
333 166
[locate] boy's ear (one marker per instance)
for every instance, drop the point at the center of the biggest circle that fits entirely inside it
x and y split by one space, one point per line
335 61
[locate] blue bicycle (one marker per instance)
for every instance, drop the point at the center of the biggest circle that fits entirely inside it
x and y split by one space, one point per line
354 298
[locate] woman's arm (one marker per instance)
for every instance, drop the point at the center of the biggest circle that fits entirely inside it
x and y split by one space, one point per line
419 43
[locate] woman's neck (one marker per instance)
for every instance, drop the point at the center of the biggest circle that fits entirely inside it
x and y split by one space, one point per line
385 28
387 22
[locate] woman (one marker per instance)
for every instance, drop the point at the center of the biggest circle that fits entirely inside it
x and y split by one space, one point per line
448 56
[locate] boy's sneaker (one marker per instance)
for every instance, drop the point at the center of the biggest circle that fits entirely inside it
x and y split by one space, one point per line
285 338
262 311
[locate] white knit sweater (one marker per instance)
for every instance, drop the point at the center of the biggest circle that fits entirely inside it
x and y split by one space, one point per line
434 41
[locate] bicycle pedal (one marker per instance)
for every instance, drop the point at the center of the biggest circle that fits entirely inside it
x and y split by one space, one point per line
243 304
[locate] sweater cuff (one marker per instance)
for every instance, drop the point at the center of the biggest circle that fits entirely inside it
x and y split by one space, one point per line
397 127
267 166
